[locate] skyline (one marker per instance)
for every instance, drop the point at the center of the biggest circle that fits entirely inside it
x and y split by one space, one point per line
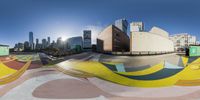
69 18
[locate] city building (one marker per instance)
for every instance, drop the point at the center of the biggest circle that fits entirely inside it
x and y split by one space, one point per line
37 44
154 41
26 46
44 43
60 43
136 26
4 50
75 43
122 24
183 40
31 42
19 47
49 41
112 39
87 39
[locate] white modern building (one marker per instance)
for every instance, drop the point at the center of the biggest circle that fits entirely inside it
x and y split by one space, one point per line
183 40
155 41
137 26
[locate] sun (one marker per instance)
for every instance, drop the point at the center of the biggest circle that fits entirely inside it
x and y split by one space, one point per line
64 38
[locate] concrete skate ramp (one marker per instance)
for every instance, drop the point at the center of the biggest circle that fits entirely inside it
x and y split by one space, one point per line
137 68
164 73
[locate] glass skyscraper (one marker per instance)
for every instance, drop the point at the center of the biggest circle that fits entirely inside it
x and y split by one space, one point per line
31 40
122 24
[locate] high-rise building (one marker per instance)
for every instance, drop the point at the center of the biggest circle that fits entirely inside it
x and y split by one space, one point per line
75 43
60 43
37 44
37 41
122 24
49 41
112 39
26 45
183 40
31 42
44 43
137 27
87 39
19 47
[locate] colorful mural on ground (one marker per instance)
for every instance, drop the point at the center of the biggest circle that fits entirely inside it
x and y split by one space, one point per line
159 75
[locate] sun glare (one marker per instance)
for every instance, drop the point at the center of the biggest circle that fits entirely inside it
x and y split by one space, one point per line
64 38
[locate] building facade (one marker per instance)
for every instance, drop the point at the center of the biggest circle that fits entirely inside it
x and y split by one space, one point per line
183 40
87 39
4 50
154 41
122 24
136 26
112 39
74 42
19 47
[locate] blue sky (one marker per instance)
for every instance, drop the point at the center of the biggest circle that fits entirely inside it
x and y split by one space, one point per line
66 18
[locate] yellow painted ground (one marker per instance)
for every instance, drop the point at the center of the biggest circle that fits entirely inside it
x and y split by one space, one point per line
185 60
10 75
4 70
191 72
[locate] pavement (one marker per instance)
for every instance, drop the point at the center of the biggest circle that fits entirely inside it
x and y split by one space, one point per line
51 84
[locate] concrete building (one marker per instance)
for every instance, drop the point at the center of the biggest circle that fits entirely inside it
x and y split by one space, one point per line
31 42
154 41
122 24
4 50
74 42
112 39
87 39
183 40
136 26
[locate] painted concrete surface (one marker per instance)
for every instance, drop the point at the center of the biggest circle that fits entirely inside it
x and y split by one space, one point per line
24 91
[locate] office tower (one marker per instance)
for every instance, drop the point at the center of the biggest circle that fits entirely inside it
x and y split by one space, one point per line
137 27
31 43
122 24
37 44
26 45
19 47
49 41
60 43
75 43
44 43
87 39
37 41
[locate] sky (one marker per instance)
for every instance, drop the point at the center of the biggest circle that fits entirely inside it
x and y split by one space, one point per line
68 18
